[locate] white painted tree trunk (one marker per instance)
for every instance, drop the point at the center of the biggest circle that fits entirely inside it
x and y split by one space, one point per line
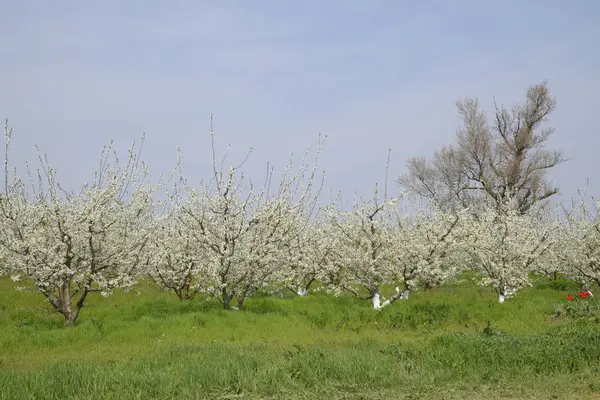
377 301
301 291
500 298
378 305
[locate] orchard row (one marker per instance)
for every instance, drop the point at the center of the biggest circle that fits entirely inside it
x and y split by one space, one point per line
230 240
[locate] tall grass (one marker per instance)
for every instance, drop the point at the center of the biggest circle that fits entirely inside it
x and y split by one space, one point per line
451 342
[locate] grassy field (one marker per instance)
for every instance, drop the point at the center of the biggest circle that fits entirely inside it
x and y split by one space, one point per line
451 342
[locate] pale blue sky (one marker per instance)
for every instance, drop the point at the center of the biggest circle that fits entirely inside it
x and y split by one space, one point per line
371 74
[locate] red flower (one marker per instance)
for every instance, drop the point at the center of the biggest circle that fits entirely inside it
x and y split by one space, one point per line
583 294
570 298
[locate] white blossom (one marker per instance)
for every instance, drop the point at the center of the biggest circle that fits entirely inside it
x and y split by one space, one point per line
505 247
71 244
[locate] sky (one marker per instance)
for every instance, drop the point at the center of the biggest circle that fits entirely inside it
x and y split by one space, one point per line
371 75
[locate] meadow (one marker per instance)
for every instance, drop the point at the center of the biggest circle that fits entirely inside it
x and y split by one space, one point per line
452 342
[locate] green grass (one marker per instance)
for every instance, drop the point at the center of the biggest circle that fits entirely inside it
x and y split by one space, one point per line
451 342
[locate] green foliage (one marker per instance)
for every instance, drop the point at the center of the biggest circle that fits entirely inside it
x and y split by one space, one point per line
560 284
451 342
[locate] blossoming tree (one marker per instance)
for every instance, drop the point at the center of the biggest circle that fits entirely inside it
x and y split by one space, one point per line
425 248
505 247
173 261
232 238
578 250
307 253
72 244
360 261
378 244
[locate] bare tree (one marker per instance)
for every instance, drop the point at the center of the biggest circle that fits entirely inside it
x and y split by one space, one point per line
492 161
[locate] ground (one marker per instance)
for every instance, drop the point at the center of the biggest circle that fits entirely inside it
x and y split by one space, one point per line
452 342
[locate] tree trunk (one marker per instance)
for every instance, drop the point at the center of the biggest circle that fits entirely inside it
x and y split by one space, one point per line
302 291
240 302
65 305
376 299
70 318
226 299
505 293
185 295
